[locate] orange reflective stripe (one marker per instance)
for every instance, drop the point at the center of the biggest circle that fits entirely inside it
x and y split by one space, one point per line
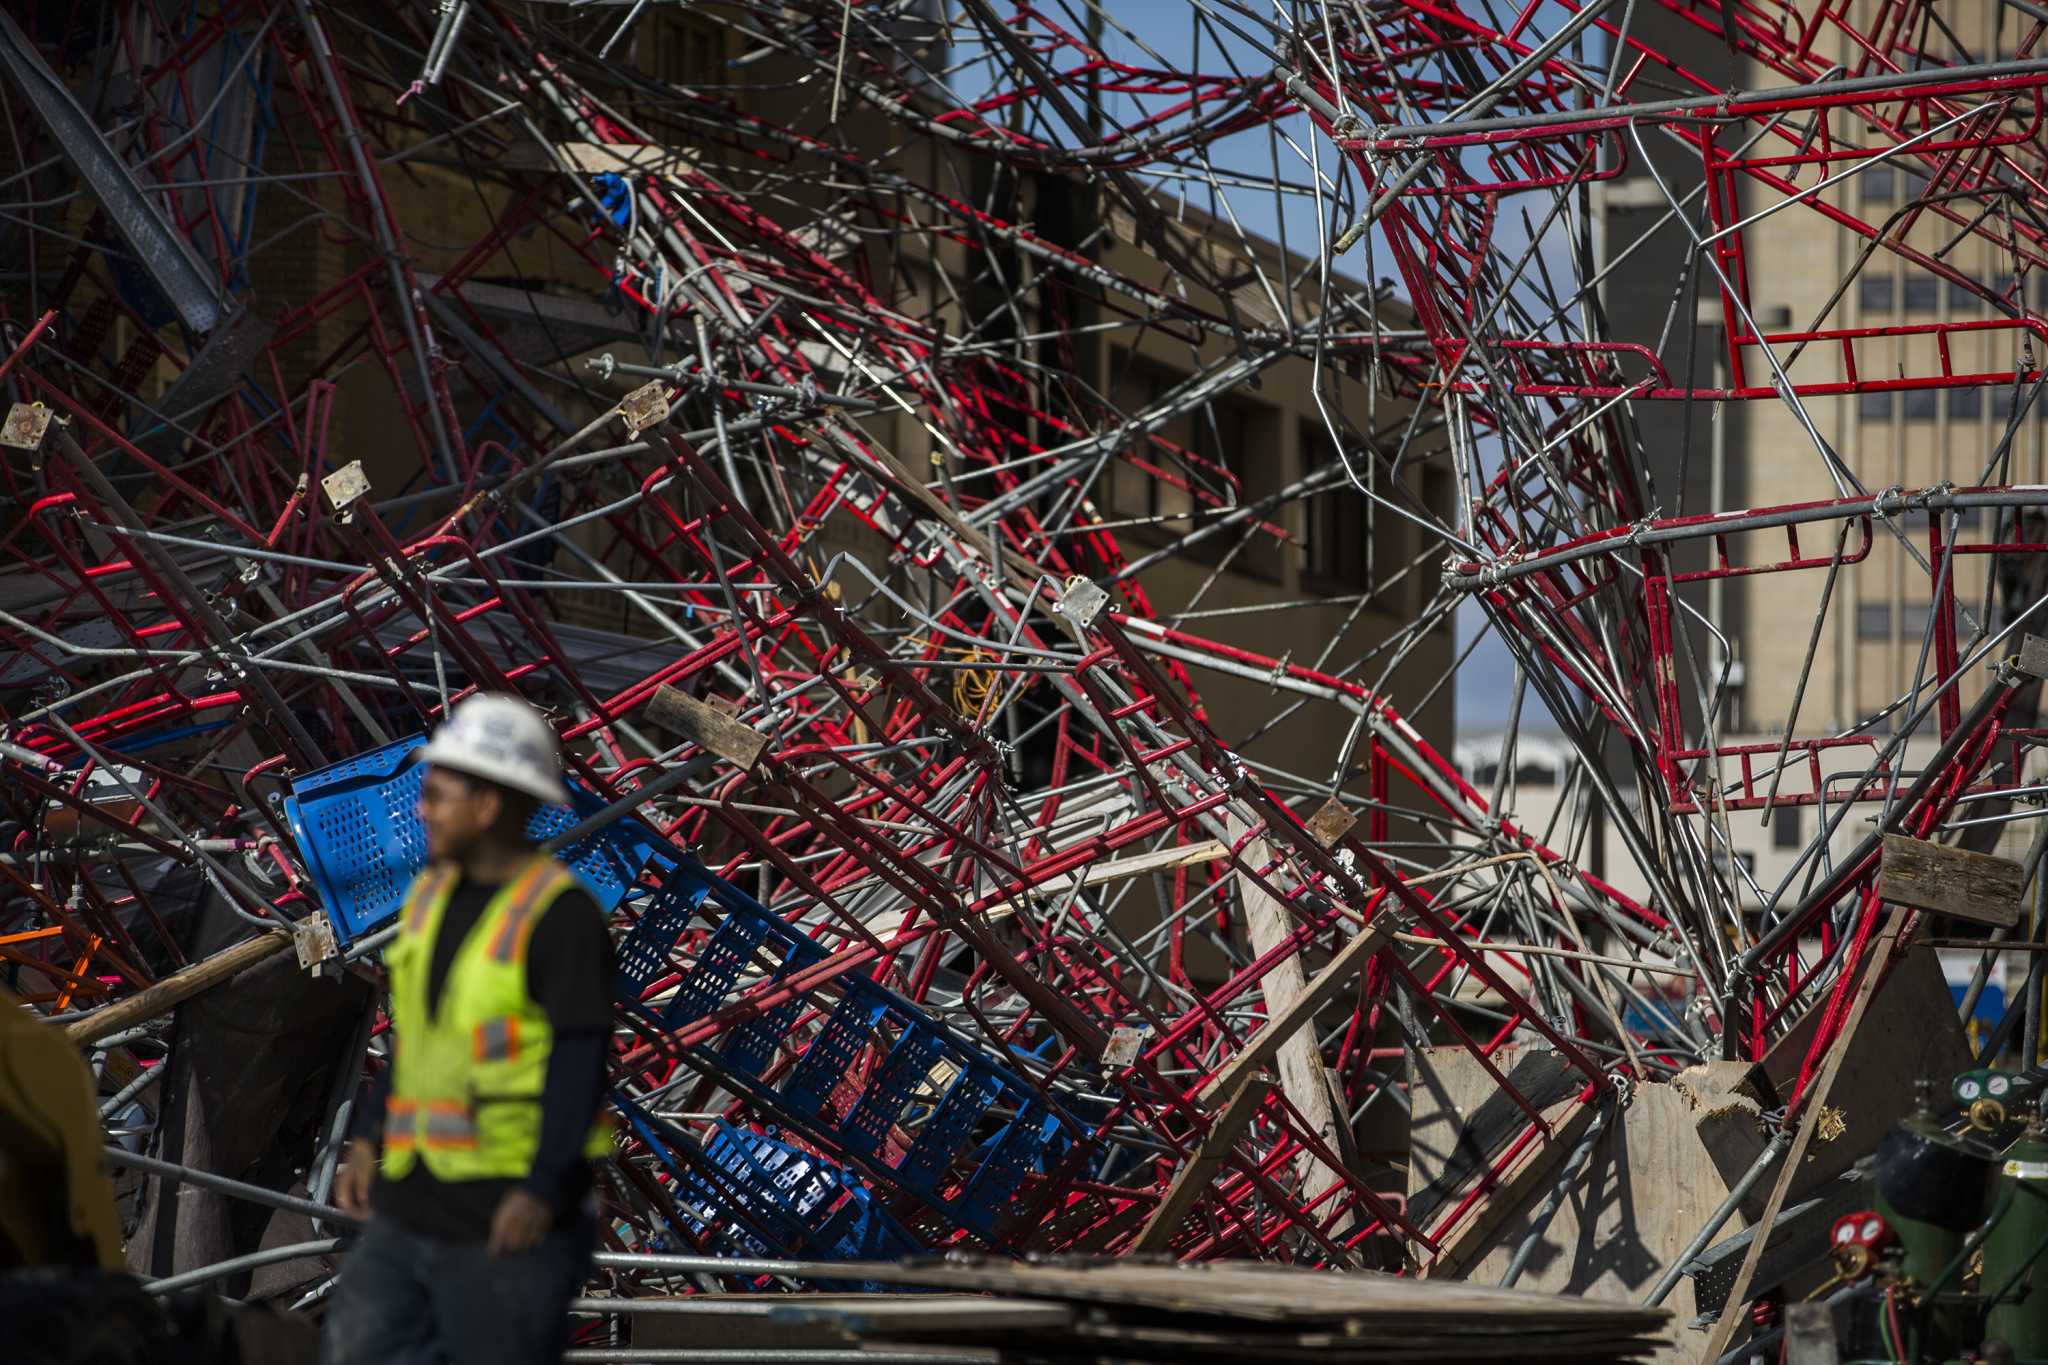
425 892
545 877
448 1125
398 1122
497 1040
521 903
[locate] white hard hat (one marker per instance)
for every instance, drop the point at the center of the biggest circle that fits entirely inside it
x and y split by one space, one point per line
501 739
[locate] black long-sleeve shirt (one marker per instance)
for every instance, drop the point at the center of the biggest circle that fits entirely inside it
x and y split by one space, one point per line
568 974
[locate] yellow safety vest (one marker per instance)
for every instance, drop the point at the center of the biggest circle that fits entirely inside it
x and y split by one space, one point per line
466 1080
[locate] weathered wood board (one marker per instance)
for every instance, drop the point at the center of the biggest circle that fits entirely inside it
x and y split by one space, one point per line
739 745
1951 881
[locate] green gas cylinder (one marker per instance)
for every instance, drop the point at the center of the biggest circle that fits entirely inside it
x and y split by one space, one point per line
2016 1250
1930 1186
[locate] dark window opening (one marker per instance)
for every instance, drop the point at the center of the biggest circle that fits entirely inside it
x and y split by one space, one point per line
1339 521
1526 775
1179 478
1744 859
1874 407
1350 543
1785 827
688 52
1440 493
1875 293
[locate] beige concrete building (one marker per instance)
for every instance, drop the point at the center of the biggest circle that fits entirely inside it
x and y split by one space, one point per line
1810 272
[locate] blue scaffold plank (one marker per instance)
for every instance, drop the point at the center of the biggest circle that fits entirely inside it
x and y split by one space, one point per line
975 1127
751 1195
358 829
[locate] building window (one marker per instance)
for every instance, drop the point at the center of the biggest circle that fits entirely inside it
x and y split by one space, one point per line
1744 859
1916 185
688 51
1874 293
1526 775
1877 185
1192 454
1340 520
1923 293
1874 407
1914 616
1874 621
1785 827
1440 492
1920 405
1965 293
1965 403
1135 491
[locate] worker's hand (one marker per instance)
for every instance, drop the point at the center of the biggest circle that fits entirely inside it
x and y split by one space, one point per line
353 1178
522 1219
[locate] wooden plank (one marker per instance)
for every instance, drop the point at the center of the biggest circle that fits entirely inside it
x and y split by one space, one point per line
1461 1121
768 1326
1260 1047
1246 1294
703 723
1119 869
1290 1003
1193 1177
1950 881
1523 1180
1814 1103
175 989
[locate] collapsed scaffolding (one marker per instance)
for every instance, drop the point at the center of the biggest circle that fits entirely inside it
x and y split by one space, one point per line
907 832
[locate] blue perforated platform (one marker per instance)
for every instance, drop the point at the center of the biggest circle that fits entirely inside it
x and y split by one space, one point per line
975 1128
749 1194
358 830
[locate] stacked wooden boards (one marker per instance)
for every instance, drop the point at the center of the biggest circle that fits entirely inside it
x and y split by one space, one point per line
1123 1311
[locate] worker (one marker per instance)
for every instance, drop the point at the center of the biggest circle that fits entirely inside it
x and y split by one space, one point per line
481 1224
56 1203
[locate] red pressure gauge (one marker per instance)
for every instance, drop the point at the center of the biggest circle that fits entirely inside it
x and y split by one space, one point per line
1854 1242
